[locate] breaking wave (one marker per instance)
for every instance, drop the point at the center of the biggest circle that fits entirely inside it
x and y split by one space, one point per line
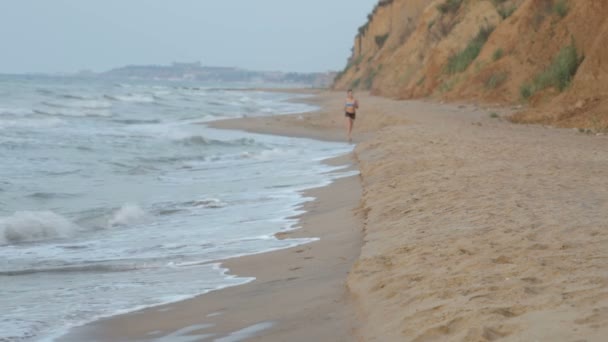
127 214
202 141
30 226
94 268
73 112
141 98
84 103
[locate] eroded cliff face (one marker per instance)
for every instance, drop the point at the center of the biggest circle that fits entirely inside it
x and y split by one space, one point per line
550 54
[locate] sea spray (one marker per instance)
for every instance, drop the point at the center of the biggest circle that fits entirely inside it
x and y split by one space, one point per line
127 214
28 226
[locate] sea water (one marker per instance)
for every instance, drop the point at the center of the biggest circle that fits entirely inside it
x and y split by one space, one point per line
114 196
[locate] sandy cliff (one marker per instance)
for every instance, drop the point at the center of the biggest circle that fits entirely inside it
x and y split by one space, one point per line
549 54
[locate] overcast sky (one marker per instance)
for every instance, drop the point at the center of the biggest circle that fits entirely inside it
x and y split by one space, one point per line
71 35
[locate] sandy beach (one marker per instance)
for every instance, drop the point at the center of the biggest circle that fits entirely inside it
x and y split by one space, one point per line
461 227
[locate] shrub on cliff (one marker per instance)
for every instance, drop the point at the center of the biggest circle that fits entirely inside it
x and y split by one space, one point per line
561 8
461 61
498 53
496 80
506 12
558 75
380 40
449 6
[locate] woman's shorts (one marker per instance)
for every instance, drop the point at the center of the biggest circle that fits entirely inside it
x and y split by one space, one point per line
350 115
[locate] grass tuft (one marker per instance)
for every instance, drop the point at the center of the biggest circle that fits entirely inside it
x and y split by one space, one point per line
561 8
558 75
369 80
498 54
496 80
525 91
506 12
449 6
461 61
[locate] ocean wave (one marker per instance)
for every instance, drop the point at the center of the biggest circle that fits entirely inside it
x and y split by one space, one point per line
140 170
266 155
215 103
244 99
83 148
83 103
167 209
202 141
73 112
162 92
63 173
91 268
127 214
168 212
50 195
44 91
74 97
30 123
15 111
14 143
173 159
141 98
31 226
212 203
137 122
39 226
127 169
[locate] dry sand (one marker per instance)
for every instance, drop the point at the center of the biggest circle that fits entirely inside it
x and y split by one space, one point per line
475 229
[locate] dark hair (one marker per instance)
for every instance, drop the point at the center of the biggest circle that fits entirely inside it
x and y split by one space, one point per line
349 91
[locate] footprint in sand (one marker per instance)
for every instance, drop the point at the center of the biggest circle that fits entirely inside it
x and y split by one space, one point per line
532 280
492 334
502 260
507 312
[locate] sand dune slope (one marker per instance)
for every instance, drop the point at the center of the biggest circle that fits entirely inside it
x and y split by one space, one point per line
479 230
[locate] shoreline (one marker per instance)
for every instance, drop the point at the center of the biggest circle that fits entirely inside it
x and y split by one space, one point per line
313 272
472 228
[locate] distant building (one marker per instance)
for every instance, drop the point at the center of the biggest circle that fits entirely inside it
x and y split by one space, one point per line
179 65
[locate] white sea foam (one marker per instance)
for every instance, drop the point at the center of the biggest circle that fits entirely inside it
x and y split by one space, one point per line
271 154
127 214
212 203
86 104
73 112
141 98
26 226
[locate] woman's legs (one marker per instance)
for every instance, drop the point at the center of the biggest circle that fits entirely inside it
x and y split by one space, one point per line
349 128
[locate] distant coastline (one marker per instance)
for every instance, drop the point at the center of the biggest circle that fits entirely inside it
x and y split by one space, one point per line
199 73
